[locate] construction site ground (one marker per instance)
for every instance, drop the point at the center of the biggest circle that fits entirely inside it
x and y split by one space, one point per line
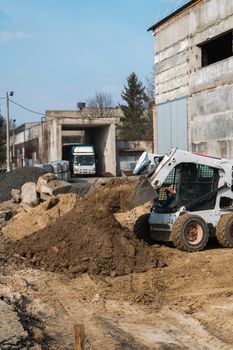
84 268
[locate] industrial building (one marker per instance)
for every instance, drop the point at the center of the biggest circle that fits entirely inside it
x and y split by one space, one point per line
46 141
52 139
194 78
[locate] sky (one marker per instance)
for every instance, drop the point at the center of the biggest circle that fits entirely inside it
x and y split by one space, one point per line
55 53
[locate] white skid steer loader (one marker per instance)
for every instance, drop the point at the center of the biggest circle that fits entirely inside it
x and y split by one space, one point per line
193 200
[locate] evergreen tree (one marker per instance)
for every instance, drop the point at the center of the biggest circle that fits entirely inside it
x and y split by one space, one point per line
2 140
132 123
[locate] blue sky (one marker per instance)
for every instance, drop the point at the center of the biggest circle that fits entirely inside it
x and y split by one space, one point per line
55 53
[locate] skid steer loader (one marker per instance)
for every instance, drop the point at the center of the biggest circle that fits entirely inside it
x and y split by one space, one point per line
193 200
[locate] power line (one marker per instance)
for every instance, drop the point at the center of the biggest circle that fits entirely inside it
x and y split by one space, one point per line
27 109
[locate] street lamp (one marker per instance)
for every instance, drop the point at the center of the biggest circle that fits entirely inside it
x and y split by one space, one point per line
8 167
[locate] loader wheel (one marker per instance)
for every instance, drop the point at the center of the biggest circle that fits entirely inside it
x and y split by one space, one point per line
224 230
190 233
142 229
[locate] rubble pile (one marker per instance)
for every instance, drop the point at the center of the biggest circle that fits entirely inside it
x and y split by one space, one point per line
17 178
89 239
29 220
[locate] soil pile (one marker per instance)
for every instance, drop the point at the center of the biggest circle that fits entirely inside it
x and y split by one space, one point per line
17 178
29 220
128 218
89 239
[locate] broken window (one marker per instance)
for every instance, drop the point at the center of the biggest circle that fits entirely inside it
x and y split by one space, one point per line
217 49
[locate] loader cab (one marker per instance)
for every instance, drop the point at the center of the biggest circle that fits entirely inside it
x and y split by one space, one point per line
192 184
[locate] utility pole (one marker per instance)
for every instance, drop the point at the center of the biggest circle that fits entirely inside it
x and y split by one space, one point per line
13 145
8 162
7 134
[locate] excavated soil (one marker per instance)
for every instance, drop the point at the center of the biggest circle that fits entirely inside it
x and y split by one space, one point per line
89 239
28 220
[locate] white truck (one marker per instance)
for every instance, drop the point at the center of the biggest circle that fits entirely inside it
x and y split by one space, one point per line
84 160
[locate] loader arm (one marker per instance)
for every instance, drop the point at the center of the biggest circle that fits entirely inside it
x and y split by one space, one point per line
176 156
146 187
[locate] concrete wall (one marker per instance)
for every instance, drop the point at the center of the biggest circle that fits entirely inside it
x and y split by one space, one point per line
98 131
110 149
105 144
58 125
128 153
24 139
209 89
26 133
44 143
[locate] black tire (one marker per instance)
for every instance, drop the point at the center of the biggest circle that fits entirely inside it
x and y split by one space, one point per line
142 229
190 233
224 230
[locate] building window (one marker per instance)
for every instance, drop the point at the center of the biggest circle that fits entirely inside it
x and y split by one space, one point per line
217 49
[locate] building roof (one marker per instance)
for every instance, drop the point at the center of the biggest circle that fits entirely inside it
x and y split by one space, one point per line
25 126
173 14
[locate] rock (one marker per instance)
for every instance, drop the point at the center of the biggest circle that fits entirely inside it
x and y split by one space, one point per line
49 184
16 195
29 194
8 215
55 187
48 167
44 196
44 179
11 330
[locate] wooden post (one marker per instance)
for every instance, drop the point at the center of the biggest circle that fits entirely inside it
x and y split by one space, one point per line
79 334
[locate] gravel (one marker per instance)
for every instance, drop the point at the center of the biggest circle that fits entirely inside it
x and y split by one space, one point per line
80 189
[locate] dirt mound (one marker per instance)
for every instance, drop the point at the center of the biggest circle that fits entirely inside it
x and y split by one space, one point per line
16 178
112 195
29 220
127 219
89 239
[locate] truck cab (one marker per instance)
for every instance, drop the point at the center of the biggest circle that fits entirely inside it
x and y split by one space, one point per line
84 160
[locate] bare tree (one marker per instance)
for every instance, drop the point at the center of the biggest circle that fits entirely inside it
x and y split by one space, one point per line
150 102
150 86
100 106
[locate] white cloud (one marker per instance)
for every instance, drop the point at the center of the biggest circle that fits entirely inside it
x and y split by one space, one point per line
6 36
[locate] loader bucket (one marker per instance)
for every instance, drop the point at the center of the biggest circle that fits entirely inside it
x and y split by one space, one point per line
142 192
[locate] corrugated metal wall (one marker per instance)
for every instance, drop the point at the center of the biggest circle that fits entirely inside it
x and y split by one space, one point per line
172 119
